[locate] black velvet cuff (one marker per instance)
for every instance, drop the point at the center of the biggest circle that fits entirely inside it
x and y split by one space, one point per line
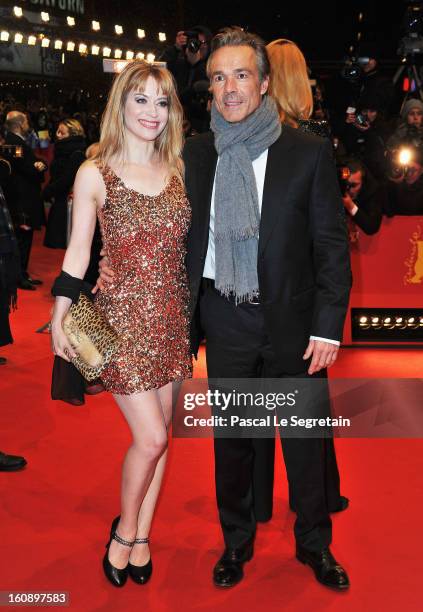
67 286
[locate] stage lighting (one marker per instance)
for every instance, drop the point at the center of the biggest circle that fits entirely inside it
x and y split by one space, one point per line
130 55
82 48
106 51
58 44
95 25
118 53
140 33
17 11
71 21
45 42
141 56
32 40
150 58
162 36
45 16
70 46
4 36
18 37
118 29
95 49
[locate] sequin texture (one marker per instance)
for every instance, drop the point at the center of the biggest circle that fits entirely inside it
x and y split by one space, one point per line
147 302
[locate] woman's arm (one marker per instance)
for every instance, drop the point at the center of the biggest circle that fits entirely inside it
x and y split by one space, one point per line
88 192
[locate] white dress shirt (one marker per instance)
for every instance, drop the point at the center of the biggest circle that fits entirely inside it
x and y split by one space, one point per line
259 167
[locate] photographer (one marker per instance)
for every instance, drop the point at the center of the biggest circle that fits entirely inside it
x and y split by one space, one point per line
364 199
405 188
365 135
187 60
410 128
24 195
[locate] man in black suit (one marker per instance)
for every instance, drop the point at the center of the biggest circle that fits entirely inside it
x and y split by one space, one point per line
24 195
287 318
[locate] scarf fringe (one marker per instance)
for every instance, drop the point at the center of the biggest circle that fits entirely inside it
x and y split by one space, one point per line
229 291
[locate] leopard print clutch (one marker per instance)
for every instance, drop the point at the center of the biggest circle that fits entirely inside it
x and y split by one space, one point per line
91 336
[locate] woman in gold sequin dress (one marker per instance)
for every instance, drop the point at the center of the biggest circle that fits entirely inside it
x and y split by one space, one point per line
134 185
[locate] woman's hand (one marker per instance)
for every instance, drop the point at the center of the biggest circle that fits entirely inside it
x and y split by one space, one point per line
59 343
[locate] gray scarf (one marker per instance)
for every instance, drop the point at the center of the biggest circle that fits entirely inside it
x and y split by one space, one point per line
237 215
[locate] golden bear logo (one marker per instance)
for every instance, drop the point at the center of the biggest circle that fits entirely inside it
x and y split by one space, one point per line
414 263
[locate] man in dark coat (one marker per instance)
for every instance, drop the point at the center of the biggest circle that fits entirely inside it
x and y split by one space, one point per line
293 325
24 196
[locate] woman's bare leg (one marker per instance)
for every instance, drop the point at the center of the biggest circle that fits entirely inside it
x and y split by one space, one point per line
140 553
144 415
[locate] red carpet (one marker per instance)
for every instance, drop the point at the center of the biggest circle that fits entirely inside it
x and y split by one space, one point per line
55 515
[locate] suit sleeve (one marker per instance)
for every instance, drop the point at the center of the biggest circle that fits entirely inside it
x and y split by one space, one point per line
331 256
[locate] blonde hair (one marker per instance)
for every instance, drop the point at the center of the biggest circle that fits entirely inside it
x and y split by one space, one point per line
112 137
289 83
74 127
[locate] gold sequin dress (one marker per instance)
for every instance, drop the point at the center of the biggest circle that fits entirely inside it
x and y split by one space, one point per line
147 302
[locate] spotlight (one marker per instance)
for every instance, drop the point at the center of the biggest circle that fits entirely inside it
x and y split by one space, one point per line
118 53
118 29
130 55
17 11
70 46
95 49
32 40
4 36
58 44
95 25
18 37
162 36
82 48
150 58
45 42
71 21
140 33
141 56
45 16
106 51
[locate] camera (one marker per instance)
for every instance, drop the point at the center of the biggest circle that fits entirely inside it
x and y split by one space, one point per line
193 43
343 173
353 68
361 120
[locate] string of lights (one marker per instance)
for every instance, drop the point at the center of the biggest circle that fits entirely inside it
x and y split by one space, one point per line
79 41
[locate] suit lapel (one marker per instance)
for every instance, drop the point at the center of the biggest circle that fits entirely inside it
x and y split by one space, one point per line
276 183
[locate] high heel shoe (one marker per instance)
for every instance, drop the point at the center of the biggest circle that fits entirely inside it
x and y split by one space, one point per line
115 575
141 573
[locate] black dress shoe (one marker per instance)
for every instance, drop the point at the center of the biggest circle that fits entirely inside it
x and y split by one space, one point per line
25 284
11 463
34 281
228 571
141 573
326 569
113 574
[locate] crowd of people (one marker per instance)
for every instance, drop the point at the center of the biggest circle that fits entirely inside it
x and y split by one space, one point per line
191 252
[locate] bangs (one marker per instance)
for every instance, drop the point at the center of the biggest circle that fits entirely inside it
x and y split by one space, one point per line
142 72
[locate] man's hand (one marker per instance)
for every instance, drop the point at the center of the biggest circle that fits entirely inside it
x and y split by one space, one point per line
324 355
106 273
40 166
349 203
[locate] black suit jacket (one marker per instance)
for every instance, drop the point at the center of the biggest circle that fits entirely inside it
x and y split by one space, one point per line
303 257
24 196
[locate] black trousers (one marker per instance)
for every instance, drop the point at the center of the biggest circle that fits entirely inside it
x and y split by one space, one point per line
24 238
238 347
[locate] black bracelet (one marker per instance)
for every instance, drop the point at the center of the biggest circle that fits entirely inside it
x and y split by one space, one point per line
67 286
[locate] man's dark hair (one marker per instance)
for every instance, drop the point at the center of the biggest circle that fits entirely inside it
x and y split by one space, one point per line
356 165
236 37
